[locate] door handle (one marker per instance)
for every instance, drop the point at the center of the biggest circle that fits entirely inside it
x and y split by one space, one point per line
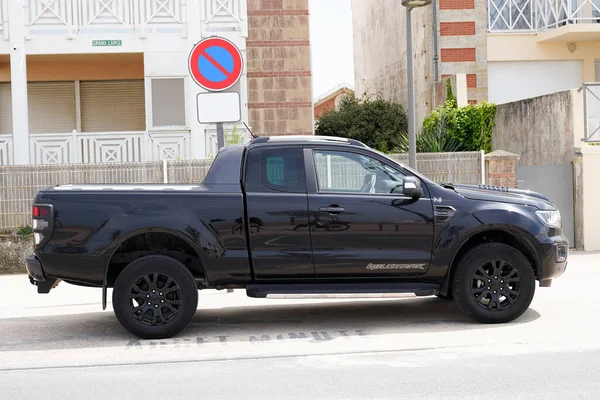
332 210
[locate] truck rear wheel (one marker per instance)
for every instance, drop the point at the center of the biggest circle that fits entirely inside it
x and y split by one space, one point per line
155 297
494 283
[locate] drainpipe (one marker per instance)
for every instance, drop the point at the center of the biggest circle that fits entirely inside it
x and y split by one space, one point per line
436 59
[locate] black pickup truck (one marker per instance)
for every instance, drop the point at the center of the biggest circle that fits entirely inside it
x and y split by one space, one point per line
297 217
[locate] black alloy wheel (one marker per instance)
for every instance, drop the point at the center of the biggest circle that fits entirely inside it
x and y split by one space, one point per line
155 297
494 283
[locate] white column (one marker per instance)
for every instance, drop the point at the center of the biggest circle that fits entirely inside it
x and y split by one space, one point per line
18 79
198 130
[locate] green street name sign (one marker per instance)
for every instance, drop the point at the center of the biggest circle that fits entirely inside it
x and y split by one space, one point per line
107 43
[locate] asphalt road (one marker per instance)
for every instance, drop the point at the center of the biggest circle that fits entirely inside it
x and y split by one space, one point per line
62 345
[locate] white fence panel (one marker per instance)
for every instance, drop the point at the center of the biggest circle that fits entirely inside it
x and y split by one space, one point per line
160 16
6 150
46 148
112 147
50 17
224 16
106 16
73 17
170 146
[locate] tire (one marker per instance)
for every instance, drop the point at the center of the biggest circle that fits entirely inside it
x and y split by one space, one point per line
164 297
505 296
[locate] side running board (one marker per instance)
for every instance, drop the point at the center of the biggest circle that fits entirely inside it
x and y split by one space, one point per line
341 290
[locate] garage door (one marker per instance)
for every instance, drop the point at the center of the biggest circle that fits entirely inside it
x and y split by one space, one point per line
556 182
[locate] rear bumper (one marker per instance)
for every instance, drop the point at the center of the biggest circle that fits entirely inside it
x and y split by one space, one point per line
34 269
554 260
37 276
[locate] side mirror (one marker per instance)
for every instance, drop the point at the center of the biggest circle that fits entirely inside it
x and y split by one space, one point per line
412 187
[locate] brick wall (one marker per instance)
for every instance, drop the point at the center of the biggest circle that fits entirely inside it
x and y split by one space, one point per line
471 79
458 55
279 73
457 28
457 4
324 107
463 43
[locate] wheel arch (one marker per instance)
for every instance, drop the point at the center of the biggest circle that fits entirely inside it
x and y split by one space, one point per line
514 238
198 269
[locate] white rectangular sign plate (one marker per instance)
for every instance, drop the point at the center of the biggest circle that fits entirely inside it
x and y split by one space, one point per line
216 108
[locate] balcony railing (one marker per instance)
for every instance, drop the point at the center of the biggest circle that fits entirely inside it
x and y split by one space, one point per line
540 15
142 17
3 18
591 100
74 17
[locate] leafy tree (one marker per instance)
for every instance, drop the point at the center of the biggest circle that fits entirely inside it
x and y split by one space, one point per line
376 122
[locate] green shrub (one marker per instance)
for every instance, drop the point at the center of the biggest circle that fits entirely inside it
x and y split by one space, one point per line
24 230
376 122
471 126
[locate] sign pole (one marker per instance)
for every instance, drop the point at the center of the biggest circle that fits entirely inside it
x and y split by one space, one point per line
220 135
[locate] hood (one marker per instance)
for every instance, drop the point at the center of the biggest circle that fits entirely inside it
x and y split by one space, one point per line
503 195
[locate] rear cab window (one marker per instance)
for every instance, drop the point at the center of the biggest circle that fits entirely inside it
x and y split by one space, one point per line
276 169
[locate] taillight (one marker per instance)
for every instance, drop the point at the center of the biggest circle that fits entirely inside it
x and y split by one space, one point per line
42 223
41 211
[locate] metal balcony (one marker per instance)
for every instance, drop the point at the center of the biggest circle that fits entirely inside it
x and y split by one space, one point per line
543 15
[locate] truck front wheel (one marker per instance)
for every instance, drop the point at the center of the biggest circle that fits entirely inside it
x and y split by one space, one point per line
494 283
155 297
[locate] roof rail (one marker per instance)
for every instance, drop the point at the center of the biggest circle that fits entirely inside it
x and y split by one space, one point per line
307 138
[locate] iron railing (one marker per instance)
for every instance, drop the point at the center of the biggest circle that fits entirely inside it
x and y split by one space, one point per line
540 15
591 101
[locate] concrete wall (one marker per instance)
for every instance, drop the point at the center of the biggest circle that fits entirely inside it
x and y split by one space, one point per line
380 52
516 80
546 131
526 47
590 193
380 49
13 251
279 67
540 130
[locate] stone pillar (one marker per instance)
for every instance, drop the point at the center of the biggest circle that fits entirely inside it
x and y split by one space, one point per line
18 82
459 87
500 169
279 68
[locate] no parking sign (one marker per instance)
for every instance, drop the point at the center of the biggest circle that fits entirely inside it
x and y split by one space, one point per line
215 64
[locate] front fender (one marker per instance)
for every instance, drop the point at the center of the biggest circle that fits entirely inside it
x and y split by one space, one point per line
520 222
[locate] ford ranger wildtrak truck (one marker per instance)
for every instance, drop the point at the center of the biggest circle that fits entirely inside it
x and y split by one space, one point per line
296 217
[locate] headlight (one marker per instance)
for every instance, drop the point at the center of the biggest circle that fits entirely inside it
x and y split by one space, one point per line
550 218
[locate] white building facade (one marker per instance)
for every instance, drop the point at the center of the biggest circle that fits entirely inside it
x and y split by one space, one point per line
90 81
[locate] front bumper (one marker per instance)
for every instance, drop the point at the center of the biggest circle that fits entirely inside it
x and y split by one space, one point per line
555 256
37 276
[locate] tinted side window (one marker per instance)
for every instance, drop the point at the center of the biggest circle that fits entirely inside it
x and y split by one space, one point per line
279 170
